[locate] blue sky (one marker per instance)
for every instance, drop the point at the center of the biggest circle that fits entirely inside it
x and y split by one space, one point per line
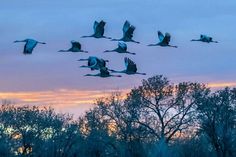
59 22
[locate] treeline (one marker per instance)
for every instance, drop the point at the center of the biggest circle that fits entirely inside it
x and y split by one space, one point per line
156 119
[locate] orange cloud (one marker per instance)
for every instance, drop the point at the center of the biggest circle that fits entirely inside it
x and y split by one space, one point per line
72 101
62 100
221 84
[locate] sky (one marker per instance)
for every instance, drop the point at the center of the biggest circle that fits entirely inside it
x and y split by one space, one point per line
48 77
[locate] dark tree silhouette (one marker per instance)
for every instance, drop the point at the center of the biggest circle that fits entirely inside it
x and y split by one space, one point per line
155 119
217 116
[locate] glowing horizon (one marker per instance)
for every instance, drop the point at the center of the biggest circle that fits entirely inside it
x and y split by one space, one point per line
78 100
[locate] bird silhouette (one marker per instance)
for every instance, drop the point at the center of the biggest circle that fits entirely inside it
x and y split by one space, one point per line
94 63
76 47
30 44
103 73
131 68
205 38
122 48
99 29
164 40
128 32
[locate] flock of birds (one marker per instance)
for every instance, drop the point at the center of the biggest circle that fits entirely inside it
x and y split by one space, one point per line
95 63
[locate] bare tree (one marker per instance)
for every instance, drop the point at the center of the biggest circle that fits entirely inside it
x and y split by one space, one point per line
217 115
34 131
167 109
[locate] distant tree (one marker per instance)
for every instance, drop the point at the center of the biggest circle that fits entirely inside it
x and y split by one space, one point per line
155 119
155 111
217 116
167 109
34 131
99 142
120 117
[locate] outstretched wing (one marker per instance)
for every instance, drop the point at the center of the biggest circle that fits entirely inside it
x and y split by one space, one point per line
102 63
29 46
100 28
205 38
92 61
95 25
122 45
167 38
76 44
130 65
160 36
126 26
130 32
104 71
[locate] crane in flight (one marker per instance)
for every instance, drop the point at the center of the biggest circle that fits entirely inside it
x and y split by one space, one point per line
98 28
122 48
94 63
104 72
75 47
164 40
128 33
131 68
205 38
30 44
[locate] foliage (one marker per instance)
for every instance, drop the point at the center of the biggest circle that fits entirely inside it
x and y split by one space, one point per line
155 119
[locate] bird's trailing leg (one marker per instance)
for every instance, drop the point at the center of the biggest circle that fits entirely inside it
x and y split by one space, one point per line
173 46
115 75
83 51
116 39
41 42
140 73
131 53
134 41
106 37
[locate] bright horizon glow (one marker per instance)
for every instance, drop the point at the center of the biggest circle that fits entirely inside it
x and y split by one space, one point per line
74 101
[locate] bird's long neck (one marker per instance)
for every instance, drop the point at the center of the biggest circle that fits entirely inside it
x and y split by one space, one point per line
83 60
196 40
17 41
106 37
88 36
85 66
91 75
115 71
153 44
109 51
63 50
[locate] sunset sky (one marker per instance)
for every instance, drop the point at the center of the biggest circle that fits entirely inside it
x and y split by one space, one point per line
48 77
